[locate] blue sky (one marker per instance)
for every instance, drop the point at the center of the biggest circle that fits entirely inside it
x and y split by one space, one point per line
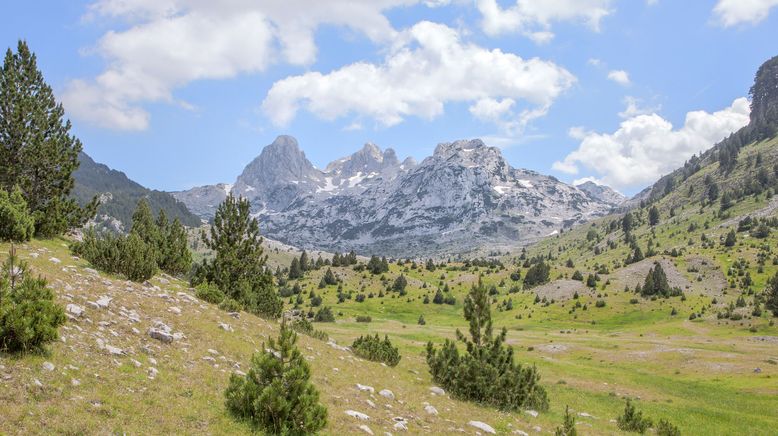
178 93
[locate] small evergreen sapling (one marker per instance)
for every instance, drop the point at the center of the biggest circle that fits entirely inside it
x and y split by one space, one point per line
277 396
568 426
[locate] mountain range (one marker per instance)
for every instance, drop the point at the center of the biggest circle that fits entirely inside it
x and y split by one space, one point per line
464 197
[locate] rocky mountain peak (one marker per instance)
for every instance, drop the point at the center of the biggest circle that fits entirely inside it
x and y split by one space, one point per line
601 193
370 159
448 149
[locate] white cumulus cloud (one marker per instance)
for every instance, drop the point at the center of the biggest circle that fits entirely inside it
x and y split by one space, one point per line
619 76
647 146
534 18
166 44
733 12
429 67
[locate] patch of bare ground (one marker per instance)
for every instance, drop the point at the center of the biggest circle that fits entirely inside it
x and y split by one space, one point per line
562 289
707 277
635 274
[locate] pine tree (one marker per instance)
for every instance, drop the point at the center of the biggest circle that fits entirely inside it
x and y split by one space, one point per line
653 216
568 426
16 223
176 257
487 374
238 268
295 272
731 239
771 295
143 224
37 152
277 396
29 314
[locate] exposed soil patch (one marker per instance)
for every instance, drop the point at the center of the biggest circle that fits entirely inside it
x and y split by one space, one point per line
635 274
562 289
713 279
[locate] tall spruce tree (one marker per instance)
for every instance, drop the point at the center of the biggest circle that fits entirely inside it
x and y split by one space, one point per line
238 269
37 152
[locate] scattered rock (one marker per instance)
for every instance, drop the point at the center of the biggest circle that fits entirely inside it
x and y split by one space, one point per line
757 370
75 310
114 350
161 332
75 382
386 393
532 413
48 366
225 327
366 429
400 423
520 432
103 302
235 315
482 426
37 383
365 388
431 410
175 310
358 415
54 260
437 391
153 373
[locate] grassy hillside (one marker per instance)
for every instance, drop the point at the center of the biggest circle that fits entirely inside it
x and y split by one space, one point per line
708 375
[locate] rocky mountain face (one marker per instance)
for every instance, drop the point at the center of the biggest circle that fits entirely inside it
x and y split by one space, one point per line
463 197
602 193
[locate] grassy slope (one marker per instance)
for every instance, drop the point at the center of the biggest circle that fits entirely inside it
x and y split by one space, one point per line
699 374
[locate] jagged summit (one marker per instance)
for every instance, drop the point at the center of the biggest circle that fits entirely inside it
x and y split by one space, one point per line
464 196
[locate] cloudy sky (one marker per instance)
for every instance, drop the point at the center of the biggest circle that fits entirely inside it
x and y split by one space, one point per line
179 93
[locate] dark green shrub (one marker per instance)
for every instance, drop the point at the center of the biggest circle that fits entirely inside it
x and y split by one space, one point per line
209 293
29 316
666 428
230 305
633 420
600 303
305 327
126 255
324 315
538 274
421 320
373 348
16 222
364 318
277 396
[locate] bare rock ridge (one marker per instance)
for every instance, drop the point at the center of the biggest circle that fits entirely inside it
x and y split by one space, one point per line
464 197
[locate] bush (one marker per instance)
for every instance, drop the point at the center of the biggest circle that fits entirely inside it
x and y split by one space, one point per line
276 396
373 348
209 293
538 274
230 305
305 327
600 303
324 315
16 222
421 320
364 318
632 420
126 255
487 374
665 428
29 317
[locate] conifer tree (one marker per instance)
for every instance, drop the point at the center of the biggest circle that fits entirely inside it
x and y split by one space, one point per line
568 426
277 396
238 268
487 374
653 216
304 262
771 295
176 257
295 272
37 152
16 223
143 224
731 239
29 314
